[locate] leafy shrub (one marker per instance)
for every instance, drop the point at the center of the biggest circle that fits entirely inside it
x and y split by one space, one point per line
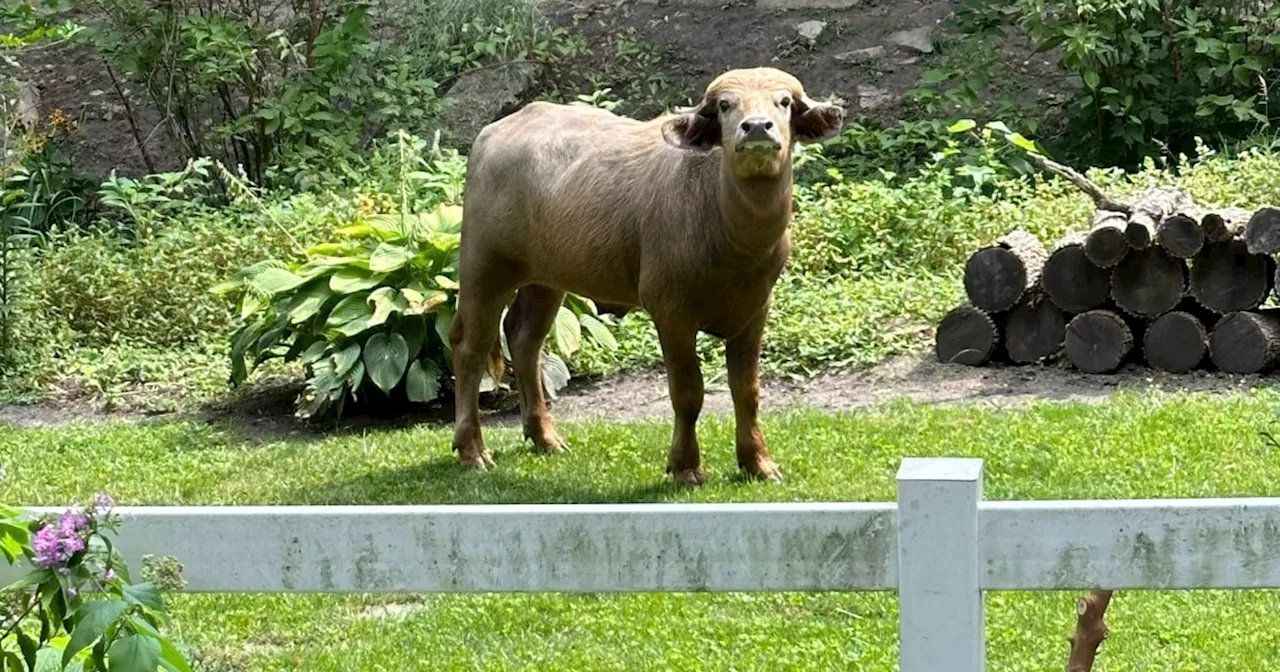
48 618
1156 75
374 307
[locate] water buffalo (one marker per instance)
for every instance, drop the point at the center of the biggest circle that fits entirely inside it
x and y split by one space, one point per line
684 216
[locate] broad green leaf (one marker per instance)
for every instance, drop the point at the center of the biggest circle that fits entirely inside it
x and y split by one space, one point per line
92 621
249 304
599 332
29 648
346 358
314 352
446 282
385 359
555 374
962 126
309 301
146 594
999 126
350 280
1024 143
389 257
421 303
414 330
354 328
422 382
443 322
350 309
385 301
274 281
568 332
1091 79
445 219
356 376
134 653
49 660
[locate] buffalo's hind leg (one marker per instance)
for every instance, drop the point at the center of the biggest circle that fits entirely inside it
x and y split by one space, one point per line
528 321
474 335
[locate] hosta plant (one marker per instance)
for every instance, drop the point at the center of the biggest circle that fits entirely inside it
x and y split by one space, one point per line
372 309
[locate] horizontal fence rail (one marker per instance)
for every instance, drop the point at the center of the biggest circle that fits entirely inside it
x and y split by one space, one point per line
939 547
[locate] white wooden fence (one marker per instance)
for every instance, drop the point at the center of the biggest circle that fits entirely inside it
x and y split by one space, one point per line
939 546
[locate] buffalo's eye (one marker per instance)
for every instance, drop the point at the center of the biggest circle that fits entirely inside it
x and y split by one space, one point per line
724 106
785 102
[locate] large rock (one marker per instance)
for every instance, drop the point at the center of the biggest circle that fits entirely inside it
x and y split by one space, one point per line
28 111
806 4
810 30
867 55
483 96
875 98
919 40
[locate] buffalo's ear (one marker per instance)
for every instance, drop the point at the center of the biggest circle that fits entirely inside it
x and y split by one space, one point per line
813 121
696 128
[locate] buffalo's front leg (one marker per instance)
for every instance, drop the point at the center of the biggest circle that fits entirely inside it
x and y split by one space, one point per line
743 358
684 381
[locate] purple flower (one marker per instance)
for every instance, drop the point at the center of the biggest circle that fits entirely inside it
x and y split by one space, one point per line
48 547
72 522
104 501
109 575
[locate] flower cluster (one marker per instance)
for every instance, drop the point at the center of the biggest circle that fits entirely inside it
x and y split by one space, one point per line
56 543
61 122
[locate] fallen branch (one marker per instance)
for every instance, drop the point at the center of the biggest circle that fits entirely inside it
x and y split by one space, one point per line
1088 186
1091 630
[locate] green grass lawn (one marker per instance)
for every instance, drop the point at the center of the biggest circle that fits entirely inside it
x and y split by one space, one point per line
1134 446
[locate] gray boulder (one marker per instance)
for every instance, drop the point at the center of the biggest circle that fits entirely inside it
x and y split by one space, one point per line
919 40
484 96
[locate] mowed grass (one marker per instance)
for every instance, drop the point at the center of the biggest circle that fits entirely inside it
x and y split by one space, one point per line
1134 446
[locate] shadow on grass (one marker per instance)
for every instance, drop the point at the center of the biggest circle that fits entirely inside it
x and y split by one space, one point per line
441 480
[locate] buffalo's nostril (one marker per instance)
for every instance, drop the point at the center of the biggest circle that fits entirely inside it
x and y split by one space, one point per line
746 127
768 125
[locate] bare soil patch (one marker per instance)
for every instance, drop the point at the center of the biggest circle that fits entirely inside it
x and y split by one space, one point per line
266 413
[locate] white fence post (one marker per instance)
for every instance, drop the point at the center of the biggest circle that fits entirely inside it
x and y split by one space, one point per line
940 616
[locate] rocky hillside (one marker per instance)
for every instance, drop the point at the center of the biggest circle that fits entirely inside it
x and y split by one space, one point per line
650 53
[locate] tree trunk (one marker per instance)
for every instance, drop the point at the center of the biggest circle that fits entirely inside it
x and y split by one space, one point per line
1148 282
1246 342
1224 224
1098 341
995 277
1072 282
1106 245
1180 235
1262 233
967 336
1175 342
1035 329
1226 278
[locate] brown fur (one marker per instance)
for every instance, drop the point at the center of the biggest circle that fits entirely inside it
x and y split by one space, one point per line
684 216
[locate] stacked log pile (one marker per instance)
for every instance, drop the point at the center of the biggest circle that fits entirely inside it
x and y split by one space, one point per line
1159 280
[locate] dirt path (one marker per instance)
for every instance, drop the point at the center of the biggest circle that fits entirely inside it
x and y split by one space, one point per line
267 412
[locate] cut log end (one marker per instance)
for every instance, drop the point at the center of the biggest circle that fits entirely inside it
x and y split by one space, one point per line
1224 224
1074 283
966 336
1226 278
1245 342
996 277
1106 244
1180 236
1262 233
1148 282
1175 342
1098 341
1034 331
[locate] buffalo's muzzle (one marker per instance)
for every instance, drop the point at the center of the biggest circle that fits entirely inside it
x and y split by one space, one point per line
758 133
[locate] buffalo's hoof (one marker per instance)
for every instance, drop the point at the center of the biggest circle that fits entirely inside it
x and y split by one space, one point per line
547 442
478 460
765 469
689 477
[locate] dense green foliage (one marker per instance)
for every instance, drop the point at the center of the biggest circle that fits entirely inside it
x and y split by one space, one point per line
1152 76
1138 445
